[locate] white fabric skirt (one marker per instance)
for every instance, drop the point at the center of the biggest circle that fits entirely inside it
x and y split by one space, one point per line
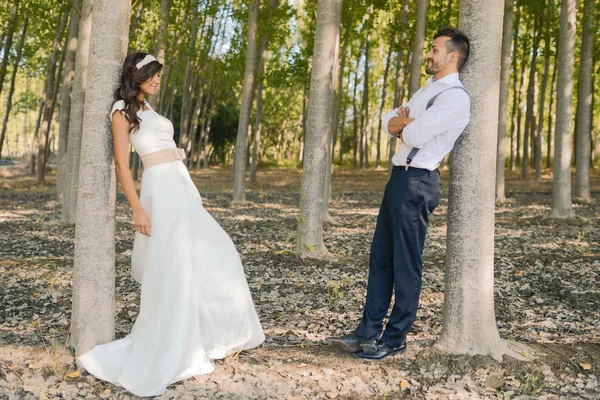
195 302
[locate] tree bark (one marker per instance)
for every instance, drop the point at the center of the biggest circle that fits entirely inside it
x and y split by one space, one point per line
530 116
318 130
8 43
207 128
469 318
94 272
262 55
507 34
51 89
383 95
13 78
355 121
551 114
364 117
241 143
71 177
161 44
65 97
187 86
542 101
399 81
561 188
417 56
584 104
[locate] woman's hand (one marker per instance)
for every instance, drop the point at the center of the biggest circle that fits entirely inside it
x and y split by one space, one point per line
141 222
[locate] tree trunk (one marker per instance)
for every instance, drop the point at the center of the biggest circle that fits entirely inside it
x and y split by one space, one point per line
355 121
513 114
207 128
417 57
584 104
8 44
65 97
399 81
383 95
187 86
469 318
319 125
507 34
94 272
550 113
161 44
561 188
37 130
521 96
241 143
530 116
53 111
52 87
262 54
364 118
340 91
343 123
542 101
193 129
13 78
76 116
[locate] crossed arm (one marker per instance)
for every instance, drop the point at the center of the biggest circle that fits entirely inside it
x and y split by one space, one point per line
397 124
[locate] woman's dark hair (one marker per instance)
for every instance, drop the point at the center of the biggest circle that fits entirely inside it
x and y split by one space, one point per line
458 42
129 87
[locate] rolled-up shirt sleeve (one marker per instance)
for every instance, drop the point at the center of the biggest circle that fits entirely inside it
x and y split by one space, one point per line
451 109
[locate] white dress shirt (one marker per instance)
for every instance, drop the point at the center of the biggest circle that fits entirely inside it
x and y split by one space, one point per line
435 130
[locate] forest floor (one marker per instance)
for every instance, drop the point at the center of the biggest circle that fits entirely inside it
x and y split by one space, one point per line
547 275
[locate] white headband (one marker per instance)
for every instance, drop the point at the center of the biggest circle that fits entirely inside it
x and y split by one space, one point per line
148 59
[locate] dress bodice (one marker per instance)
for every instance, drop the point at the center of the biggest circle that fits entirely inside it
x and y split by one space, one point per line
155 131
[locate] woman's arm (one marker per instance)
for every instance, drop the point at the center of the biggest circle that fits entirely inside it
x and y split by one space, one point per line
120 131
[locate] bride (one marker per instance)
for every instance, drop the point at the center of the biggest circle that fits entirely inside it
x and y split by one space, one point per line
195 303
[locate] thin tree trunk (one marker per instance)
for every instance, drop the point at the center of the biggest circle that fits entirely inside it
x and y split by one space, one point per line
193 129
584 104
507 34
93 318
65 98
470 326
355 114
241 144
530 116
521 96
52 87
53 111
513 118
417 57
187 86
551 114
207 129
383 95
71 177
542 98
8 43
161 43
32 157
399 81
364 118
13 78
262 54
343 123
319 125
561 188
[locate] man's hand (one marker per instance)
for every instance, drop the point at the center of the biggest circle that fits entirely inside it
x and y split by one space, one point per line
397 124
403 112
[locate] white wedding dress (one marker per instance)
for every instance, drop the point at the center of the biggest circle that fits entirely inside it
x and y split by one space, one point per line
195 302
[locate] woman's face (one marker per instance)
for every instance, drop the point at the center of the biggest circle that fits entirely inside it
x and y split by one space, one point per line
150 87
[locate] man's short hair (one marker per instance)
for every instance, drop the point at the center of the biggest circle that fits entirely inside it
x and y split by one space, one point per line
458 42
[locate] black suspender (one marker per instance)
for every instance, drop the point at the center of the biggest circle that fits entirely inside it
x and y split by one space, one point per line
415 150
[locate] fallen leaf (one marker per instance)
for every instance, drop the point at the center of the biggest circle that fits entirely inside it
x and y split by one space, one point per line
12 367
332 395
43 396
107 391
404 384
587 367
74 374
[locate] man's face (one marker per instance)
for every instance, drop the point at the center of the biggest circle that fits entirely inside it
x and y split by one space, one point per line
438 57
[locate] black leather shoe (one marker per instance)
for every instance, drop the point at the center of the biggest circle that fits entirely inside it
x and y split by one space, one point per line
351 342
381 350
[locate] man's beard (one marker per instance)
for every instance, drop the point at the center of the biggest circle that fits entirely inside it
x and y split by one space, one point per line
431 68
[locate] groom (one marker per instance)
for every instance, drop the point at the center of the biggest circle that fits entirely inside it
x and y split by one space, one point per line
428 125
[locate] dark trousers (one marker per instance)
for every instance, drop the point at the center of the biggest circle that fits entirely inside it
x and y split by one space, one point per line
397 253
